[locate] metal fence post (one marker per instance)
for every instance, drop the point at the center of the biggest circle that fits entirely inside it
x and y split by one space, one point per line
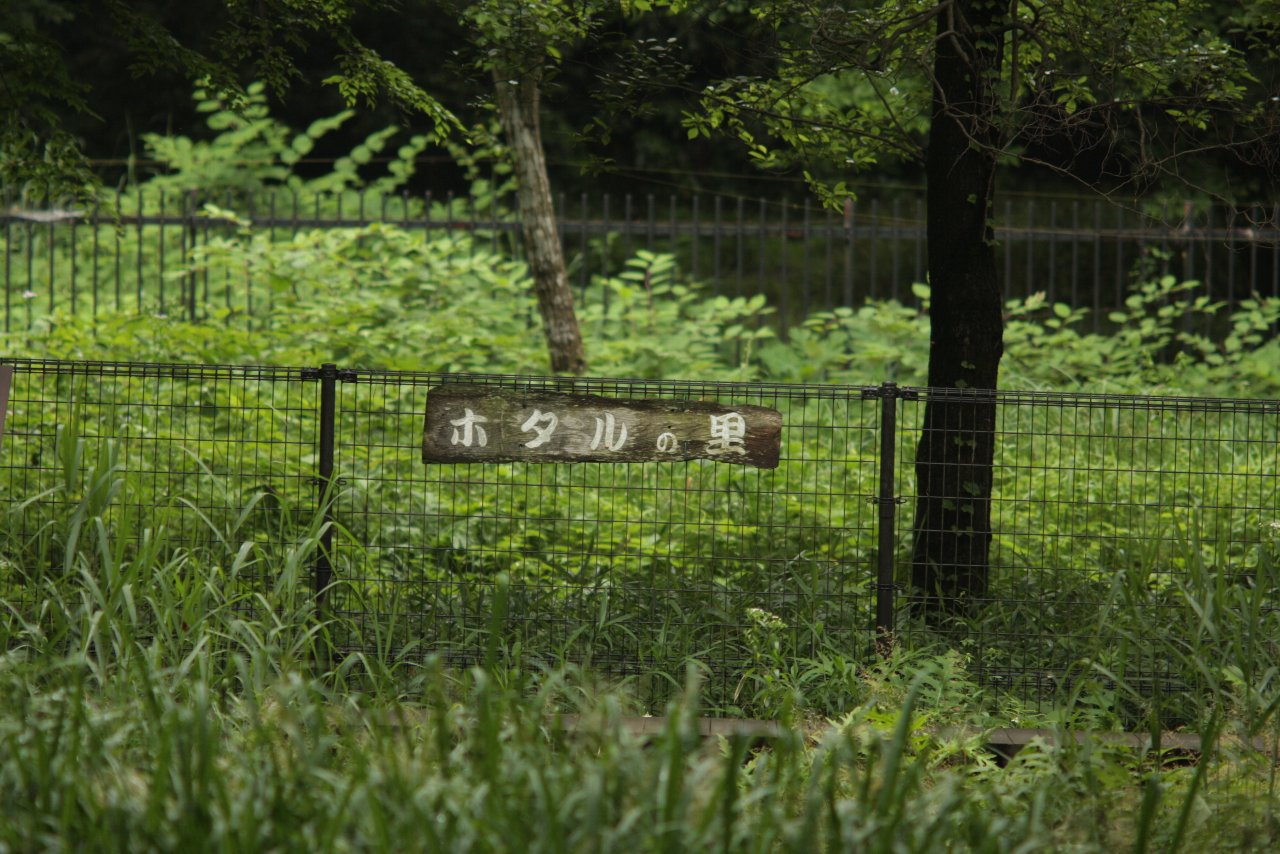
328 376
887 502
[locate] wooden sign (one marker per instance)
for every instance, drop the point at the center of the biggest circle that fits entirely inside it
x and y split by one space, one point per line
467 423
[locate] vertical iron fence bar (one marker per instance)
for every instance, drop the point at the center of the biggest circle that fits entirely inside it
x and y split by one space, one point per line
323 569
1165 248
1207 281
1208 250
118 227
271 240
1118 285
886 504
715 242
1231 257
674 236
450 234
185 285
1275 256
1255 220
428 200
848 252
248 276
188 249
138 299
760 254
1096 286
204 273
30 248
784 280
827 301
1028 231
739 249
1008 249
493 218
697 231
472 222
1232 223
1075 254
1053 252
895 241
805 284
160 240
651 224
8 272
75 295
48 206
1189 252
873 289
627 214
584 260
605 263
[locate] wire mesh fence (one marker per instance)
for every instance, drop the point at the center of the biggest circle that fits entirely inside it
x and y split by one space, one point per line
206 454
637 568
1102 507
139 250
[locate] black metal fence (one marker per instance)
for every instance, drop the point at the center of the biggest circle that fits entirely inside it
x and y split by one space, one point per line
1103 507
129 251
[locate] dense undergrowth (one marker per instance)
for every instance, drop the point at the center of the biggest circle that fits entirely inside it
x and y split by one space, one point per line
384 297
167 681
153 703
160 696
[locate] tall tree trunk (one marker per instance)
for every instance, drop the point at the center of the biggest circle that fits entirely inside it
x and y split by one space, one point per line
518 112
952 535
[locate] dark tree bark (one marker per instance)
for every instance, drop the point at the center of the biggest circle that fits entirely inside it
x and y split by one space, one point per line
518 112
952 534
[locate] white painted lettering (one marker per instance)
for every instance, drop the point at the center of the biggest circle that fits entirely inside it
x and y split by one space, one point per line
470 430
544 424
605 434
727 433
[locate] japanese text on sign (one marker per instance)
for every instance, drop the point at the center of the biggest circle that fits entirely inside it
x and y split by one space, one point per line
478 424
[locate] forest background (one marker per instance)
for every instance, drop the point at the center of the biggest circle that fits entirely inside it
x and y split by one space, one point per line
155 699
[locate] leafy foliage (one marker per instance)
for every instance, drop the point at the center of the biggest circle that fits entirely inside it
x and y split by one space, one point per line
36 153
253 151
237 741
1141 84
265 37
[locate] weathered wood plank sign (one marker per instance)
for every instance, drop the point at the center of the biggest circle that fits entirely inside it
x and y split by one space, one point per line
467 423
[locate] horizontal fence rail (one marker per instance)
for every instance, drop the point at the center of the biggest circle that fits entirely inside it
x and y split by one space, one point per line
638 569
136 251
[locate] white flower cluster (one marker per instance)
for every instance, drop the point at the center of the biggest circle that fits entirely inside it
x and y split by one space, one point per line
765 620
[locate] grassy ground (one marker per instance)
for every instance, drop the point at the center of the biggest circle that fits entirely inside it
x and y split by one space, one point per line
147 708
168 682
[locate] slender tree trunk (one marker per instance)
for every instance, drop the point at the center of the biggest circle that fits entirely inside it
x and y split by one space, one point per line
950 561
518 113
